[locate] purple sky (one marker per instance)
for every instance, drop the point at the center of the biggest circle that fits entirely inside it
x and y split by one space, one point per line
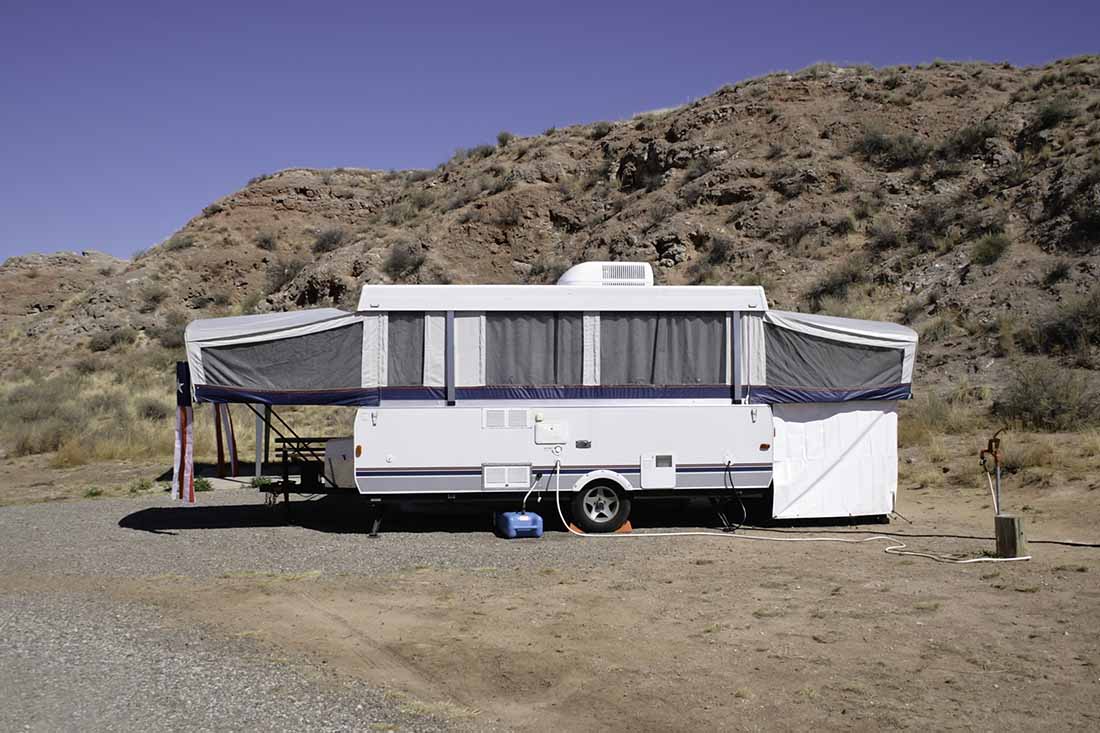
119 121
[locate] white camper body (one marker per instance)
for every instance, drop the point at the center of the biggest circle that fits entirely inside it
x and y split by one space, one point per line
603 380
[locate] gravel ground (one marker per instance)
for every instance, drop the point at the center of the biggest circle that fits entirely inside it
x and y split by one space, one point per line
83 650
79 662
231 531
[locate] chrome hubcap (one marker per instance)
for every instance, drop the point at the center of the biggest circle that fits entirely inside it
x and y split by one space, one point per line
600 504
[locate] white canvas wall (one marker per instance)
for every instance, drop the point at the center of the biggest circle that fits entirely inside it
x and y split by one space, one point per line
835 460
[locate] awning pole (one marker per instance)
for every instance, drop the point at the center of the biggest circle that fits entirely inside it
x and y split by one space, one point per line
267 433
259 444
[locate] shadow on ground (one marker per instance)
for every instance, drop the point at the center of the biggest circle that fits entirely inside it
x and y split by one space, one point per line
342 515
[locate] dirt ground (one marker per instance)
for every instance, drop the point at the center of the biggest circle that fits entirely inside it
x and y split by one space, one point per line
633 634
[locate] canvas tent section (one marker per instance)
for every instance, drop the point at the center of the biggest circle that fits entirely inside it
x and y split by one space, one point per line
833 385
835 459
799 358
302 357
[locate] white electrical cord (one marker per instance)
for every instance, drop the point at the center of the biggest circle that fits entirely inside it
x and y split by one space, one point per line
894 549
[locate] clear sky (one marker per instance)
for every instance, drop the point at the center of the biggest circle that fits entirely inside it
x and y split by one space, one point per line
121 120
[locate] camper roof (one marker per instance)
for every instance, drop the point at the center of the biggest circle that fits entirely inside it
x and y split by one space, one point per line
561 298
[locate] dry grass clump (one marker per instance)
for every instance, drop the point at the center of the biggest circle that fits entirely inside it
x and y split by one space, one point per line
404 259
891 152
990 247
1073 327
929 415
329 239
1045 396
836 283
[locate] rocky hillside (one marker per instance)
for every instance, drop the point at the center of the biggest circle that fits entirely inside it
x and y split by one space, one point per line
962 198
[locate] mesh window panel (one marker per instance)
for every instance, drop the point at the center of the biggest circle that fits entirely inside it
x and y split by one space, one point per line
405 342
797 359
533 349
324 360
662 348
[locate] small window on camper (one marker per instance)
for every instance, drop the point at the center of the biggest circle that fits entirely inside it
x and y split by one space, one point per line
662 348
533 349
405 346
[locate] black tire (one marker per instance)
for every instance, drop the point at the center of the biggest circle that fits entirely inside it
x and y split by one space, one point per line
600 506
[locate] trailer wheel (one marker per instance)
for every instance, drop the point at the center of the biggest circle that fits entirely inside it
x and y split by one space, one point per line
600 507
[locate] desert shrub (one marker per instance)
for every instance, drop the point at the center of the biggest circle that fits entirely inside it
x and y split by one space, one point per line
1048 397
504 137
547 269
697 168
151 297
482 151
775 151
169 332
281 272
600 130
719 249
1055 273
989 248
178 242
933 414
266 241
1018 456
1075 325
938 329
87 365
842 225
212 209
1084 231
37 416
466 193
422 199
404 258
203 484
510 214
787 181
549 131
836 282
1054 112
148 408
100 341
1007 329
967 141
399 213
891 152
883 235
797 229
329 239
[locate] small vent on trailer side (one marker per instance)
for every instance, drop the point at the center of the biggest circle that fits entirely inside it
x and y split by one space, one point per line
505 418
506 476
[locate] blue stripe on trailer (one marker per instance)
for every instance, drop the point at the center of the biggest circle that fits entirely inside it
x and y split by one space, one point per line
352 397
565 471
563 392
771 395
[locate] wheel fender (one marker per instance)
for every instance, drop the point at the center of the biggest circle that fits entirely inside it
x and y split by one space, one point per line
601 474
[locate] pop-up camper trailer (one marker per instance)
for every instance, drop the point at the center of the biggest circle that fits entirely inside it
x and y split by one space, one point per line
604 384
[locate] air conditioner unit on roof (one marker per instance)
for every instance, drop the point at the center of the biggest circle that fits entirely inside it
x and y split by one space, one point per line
608 273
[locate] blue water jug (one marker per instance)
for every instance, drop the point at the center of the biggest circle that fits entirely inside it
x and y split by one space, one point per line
511 525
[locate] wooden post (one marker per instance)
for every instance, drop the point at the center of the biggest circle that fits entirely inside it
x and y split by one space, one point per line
1010 536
